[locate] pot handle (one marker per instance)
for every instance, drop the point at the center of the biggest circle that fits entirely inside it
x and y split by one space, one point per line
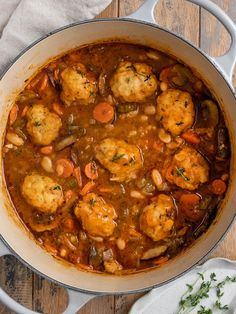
75 302
225 62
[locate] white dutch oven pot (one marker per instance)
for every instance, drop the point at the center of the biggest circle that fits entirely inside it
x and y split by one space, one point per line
217 74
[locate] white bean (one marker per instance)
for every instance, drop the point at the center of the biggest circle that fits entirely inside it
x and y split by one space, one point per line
97 239
120 244
46 164
59 170
153 55
14 139
143 118
136 194
9 146
92 121
164 136
163 86
109 126
154 252
63 252
150 110
132 133
157 178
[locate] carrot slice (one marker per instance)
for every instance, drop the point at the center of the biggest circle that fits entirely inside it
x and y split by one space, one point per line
46 150
43 83
218 186
58 108
104 189
56 74
50 248
103 112
188 205
77 174
88 187
191 137
64 168
13 114
68 195
91 170
158 146
161 260
189 200
134 233
69 225
165 74
24 111
53 65
86 267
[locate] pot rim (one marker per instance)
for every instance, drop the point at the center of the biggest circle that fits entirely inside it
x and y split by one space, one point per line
209 59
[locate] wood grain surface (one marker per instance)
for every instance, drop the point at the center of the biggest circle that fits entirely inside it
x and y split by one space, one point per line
204 31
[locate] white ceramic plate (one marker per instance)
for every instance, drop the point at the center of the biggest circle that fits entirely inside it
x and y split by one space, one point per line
165 300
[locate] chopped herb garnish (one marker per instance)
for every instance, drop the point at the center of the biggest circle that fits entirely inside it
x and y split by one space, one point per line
93 167
92 202
37 123
180 172
117 157
132 160
127 108
56 187
80 72
147 78
72 183
179 123
91 94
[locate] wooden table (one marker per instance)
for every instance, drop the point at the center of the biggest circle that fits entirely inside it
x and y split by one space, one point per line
202 29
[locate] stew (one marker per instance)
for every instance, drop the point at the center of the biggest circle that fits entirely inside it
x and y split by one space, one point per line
116 157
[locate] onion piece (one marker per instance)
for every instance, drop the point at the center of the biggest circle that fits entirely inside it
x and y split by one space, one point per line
65 142
154 252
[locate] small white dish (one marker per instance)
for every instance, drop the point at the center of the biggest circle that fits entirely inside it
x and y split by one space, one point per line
165 299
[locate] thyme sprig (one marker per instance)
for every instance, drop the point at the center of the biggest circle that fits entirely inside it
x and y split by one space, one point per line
180 172
193 297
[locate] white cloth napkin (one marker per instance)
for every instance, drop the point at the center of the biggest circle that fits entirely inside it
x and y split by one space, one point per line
24 21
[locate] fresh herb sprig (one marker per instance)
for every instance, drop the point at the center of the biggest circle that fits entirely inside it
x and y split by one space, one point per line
193 297
180 172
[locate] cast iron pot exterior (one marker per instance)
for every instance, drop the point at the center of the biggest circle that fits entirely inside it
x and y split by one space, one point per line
20 241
